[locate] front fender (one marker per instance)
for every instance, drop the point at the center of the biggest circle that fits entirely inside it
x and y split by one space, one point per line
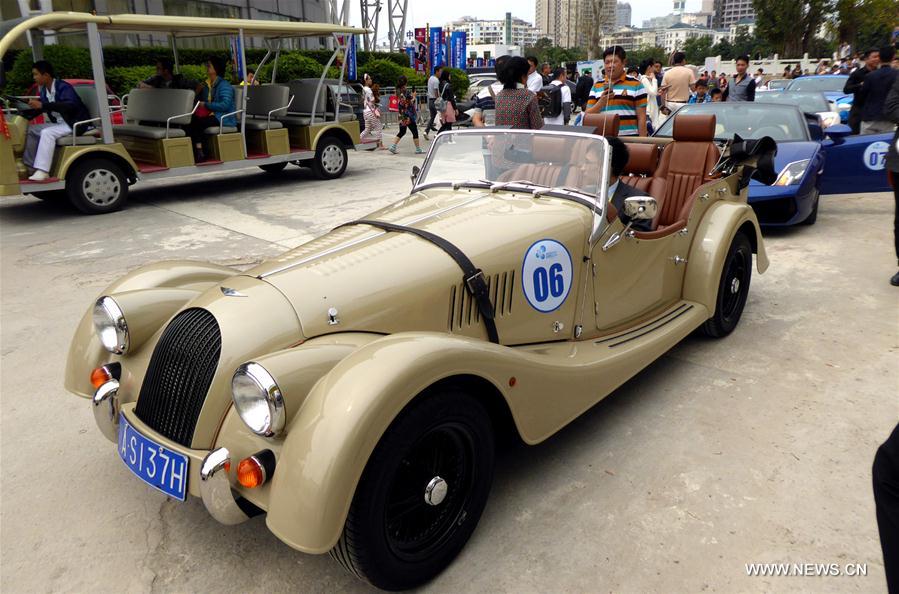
717 229
342 419
183 280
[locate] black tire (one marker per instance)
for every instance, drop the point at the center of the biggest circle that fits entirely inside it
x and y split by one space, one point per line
330 159
811 218
97 186
274 167
393 538
733 288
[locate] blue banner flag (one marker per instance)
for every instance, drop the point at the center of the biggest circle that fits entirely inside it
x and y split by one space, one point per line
352 74
457 51
410 51
437 52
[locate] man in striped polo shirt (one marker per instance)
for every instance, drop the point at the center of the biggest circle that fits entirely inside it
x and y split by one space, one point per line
618 93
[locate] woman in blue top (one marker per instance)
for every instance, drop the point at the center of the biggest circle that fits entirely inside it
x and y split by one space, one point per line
216 98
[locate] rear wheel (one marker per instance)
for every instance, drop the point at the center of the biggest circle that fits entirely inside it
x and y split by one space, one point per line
274 167
733 288
421 494
330 159
96 186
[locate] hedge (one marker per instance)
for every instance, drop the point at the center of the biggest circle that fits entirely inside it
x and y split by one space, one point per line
74 62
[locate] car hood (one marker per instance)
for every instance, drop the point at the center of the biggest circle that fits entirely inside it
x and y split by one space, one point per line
394 282
788 152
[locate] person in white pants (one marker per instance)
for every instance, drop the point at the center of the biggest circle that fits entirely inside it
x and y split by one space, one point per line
60 105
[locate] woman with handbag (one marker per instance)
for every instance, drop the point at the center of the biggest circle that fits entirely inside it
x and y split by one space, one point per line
371 113
446 103
216 99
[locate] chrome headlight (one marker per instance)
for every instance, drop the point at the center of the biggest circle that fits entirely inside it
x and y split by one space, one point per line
258 400
792 173
110 325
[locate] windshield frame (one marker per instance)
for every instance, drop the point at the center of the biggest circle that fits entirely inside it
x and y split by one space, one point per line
712 108
597 200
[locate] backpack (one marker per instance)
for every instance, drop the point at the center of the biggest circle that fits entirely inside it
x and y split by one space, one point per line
550 100
440 102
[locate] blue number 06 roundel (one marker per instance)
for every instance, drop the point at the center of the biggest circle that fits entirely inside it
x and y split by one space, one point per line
546 275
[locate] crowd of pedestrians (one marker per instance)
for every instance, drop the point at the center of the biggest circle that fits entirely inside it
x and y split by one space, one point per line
530 94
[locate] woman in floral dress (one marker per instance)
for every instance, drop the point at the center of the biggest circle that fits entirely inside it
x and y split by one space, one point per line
408 115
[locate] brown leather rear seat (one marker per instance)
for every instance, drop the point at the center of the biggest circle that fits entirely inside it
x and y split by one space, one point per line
551 166
641 165
602 124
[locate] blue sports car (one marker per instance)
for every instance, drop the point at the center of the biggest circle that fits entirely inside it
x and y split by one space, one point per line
831 85
810 159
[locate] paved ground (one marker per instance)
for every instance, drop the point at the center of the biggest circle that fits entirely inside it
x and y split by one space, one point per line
756 448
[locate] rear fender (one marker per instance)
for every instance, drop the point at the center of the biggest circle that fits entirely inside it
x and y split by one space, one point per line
149 293
723 220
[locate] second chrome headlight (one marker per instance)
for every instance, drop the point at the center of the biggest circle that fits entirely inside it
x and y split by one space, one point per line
258 399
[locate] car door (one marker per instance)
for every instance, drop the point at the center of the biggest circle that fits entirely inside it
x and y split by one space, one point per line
637 277
855 164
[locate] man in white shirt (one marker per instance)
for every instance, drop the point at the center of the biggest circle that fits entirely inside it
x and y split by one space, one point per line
535 80
560 79
433 93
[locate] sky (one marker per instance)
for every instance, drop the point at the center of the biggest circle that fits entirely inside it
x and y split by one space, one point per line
420 12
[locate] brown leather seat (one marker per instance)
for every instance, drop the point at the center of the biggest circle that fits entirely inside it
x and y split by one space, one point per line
551 166
684 166
603 124
642 162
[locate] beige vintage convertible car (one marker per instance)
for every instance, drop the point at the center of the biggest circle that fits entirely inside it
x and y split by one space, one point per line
352 390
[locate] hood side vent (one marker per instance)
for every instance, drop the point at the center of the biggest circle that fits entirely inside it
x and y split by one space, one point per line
463 311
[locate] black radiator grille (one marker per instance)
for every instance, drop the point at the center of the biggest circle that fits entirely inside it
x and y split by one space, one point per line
179 375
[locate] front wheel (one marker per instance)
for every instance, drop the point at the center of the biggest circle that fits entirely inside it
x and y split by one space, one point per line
813 216
733 288
96 186
422 492
330 159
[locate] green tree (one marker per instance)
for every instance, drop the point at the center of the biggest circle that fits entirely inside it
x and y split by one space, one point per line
864 23
647 52
697 49
790 26
725 49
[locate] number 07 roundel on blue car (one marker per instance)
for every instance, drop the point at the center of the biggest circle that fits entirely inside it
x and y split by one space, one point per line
546 275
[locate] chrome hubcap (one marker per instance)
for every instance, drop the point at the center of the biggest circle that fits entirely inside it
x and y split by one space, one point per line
436 491
735 286
101 187
332 159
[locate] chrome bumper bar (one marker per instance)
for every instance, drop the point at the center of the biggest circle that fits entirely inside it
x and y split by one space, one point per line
215 483
215 488
106 409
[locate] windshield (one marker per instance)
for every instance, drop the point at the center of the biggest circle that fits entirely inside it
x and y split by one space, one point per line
749 120
808 102
822 83
544 159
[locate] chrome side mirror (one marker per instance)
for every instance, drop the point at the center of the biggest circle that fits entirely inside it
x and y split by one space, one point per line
415 171
640 208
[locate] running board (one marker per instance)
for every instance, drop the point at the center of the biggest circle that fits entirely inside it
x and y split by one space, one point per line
656 324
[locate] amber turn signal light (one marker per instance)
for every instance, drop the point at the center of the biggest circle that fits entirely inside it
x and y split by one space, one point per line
100 376
254 470
250 473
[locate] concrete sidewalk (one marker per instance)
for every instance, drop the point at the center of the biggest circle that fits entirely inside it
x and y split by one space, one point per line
752 449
